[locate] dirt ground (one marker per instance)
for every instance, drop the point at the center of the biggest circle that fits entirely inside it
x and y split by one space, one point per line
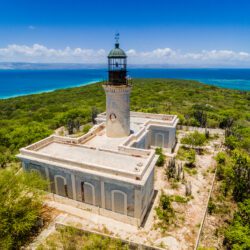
182 235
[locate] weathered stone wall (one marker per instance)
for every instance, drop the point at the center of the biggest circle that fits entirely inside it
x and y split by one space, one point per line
147 191
117 196
117 110
162 137
143 142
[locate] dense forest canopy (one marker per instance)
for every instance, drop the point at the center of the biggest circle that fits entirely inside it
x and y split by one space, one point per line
26 119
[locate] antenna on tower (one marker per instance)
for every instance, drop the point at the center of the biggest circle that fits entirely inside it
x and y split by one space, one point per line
117 37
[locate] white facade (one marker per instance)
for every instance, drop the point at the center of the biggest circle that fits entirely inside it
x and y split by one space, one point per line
117 110
110 176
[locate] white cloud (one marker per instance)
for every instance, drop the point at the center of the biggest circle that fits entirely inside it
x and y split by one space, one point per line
131 52
204 57
42 54
39 53
159 53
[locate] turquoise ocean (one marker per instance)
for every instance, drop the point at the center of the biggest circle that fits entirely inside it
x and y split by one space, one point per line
23 82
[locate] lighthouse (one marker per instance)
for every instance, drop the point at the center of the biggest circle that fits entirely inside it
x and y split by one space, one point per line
117 90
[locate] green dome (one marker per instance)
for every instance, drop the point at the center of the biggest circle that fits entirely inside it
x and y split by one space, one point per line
117 52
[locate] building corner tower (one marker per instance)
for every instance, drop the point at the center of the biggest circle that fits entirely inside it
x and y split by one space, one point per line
117 91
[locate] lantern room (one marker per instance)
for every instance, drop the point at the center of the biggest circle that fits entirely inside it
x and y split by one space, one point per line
117 65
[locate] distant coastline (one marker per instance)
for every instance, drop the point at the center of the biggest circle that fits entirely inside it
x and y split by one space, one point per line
77 66
49 90
14 83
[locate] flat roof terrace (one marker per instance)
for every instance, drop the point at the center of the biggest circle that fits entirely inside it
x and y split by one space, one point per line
96 153
95 157
101 140
57 151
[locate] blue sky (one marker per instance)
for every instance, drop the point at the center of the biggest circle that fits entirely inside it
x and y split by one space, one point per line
208 32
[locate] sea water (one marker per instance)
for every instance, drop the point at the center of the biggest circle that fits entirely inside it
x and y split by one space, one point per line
24 82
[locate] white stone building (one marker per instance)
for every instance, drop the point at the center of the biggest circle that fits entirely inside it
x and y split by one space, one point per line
109 170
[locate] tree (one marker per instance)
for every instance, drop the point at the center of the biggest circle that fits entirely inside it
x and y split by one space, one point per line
237 235
77 124
24 135
20 206
194 139
5 157
231 142
94 113
241 169
201 117
70 126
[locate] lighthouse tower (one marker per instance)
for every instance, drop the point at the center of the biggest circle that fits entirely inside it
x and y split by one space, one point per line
117 91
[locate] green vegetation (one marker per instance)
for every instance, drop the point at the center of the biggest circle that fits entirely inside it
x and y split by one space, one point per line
188 155
73 239
26 119
194 139
86 128
20 207
191 171
211 206
180 199
165 212
233 172
162 158
238 233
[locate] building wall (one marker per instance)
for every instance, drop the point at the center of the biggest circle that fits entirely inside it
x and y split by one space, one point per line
147 191
163 137
119 197
158 137
143 142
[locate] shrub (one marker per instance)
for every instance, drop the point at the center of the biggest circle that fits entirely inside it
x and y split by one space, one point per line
237 235
179 199
221 158
190 159
231 142
161 159
211 207
188 155
86 128
190 170
20 207
165 211
241 175
194 139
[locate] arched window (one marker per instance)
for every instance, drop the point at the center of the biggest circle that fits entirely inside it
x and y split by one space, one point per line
61 185
159 140
119 201
88 193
